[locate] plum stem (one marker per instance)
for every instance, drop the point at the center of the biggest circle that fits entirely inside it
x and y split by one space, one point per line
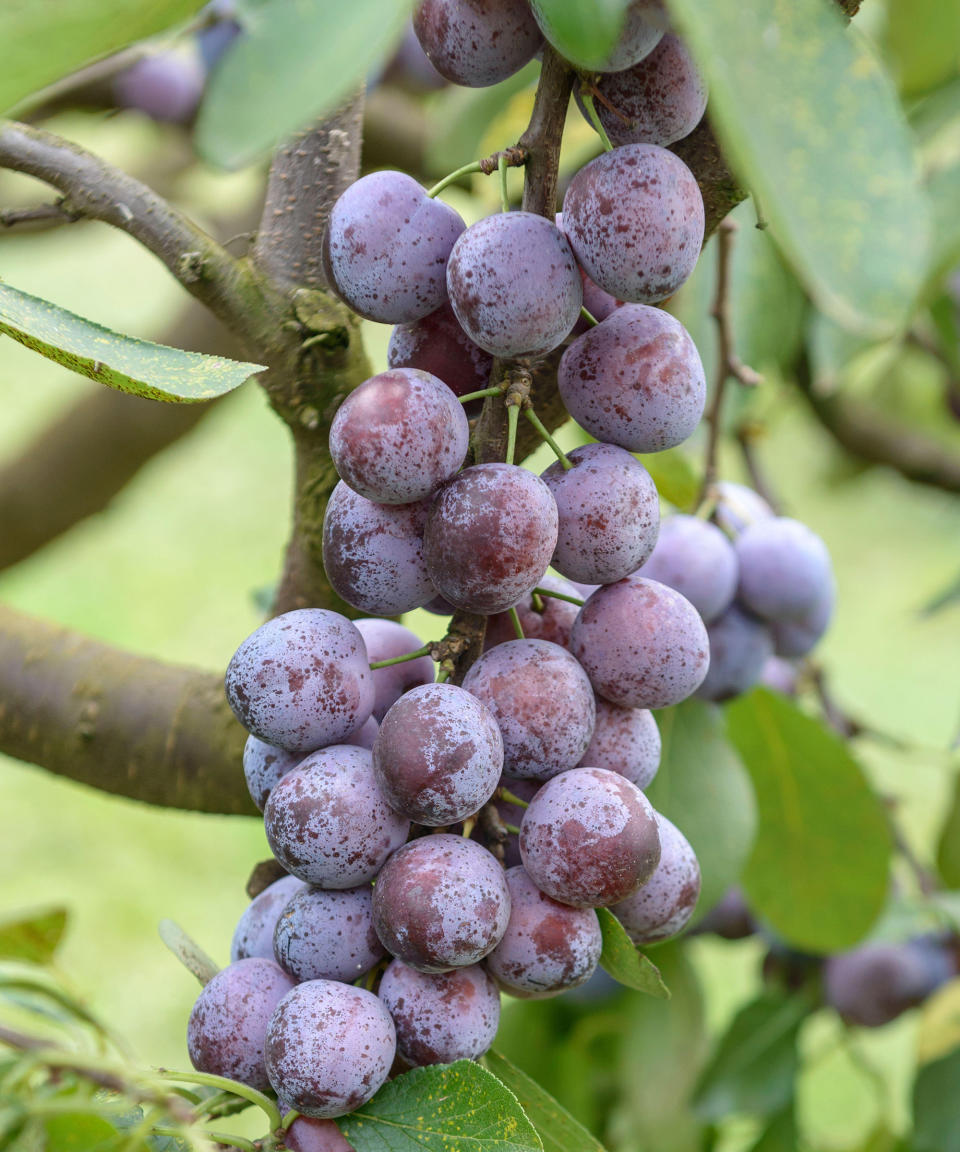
494 391
544 433
559 596
589 317
466 170
424 651
515 621
210 1081
504 191
511 798
513 829
586 98
513 417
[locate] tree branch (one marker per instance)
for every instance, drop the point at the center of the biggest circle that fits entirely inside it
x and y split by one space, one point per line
96 190
126 724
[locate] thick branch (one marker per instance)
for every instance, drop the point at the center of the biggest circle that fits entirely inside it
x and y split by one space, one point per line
126 724
98 191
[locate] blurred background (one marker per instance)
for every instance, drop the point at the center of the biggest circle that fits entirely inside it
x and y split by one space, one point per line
179 562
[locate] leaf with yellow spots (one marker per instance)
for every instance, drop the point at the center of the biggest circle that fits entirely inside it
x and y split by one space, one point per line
444 1108
122 362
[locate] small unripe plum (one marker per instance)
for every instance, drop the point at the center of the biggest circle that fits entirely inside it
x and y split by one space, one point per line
253 935
227 1029
441 902
548 947
328 822
625 740
664 905
441 1017
589 838
302 680
386 639
324 935
263 765
329 1047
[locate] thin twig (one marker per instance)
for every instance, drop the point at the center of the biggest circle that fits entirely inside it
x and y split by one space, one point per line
747 436
57 212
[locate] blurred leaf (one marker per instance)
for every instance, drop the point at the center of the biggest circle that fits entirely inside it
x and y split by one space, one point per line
814 129
938 1032
703 788
922 41
445 1108
33 938
43 42
35 990
943 188
675 475
781 1134
819 871
621 959
832 350
121 362
582 31
948 845
77 1132
187 951
936 1117
558 1130
298 60
755 1064
943 599
461 120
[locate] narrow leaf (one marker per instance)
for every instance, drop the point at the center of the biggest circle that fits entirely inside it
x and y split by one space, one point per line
819 870
624 963
42 42
296 62
187 951
704 789
33 939
583 31
936 1117
948 846
122 362
558 1130
813 127
444 1108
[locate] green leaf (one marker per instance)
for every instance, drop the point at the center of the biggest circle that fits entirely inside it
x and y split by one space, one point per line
33 938
948 845
703 788
298 60
813 127
922 41
582 31
444 1108
557 1128
43 42
675 475
621 959
781 1134
943 188
77 1132
936 1118
122 362
819 871
754 1067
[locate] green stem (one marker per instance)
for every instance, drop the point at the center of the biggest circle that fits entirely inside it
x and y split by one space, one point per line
589 317
586 97
504 191
494 391
225 1085
513 417
474 166
515 621
225 1138
443 676
544 434
513 829
289 1118
424 651
560 596
512 799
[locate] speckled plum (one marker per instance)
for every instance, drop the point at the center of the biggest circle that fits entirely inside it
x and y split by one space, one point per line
635 380
797 637
373 553
441 902
625 740
784 569
548 947
263 765
302 680
323 935
589 838
644 24
439 755
641 643
328 822
386 248
441 1017
306 1135
634 218
489 537
552 621
228 1023
542 701
696 558
665 903
514 284
740 645
477 43
253 935
398 436
609 513
658 101
738 506
386 639
329 1048
438 345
